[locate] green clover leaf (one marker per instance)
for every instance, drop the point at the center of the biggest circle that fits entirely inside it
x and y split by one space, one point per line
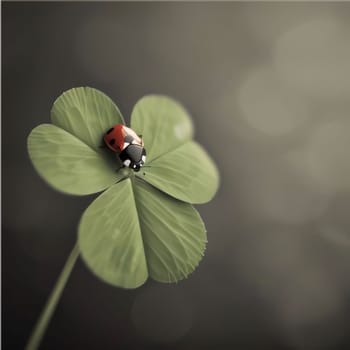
68 164
143 224
163 123
85 113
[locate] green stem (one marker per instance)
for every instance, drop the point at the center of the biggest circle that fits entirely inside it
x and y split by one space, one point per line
45 317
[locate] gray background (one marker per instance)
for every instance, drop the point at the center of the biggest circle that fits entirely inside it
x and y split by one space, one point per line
268 86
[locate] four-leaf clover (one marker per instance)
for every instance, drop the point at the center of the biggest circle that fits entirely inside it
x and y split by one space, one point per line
143 224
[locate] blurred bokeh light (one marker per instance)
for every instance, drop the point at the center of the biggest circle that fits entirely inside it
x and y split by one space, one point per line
268 105
314 57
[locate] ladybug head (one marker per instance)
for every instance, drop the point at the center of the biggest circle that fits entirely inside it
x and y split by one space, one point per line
133 156
136 167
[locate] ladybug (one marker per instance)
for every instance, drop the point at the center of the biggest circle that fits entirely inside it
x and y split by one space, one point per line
127 144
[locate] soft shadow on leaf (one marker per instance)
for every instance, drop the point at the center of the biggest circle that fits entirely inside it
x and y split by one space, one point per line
187 173
68 164
173 233
163 123
86 113
110 238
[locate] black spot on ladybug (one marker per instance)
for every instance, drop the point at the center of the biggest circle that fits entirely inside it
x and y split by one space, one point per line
112 142
110 130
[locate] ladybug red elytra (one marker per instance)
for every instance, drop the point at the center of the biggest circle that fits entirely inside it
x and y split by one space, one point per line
127 144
